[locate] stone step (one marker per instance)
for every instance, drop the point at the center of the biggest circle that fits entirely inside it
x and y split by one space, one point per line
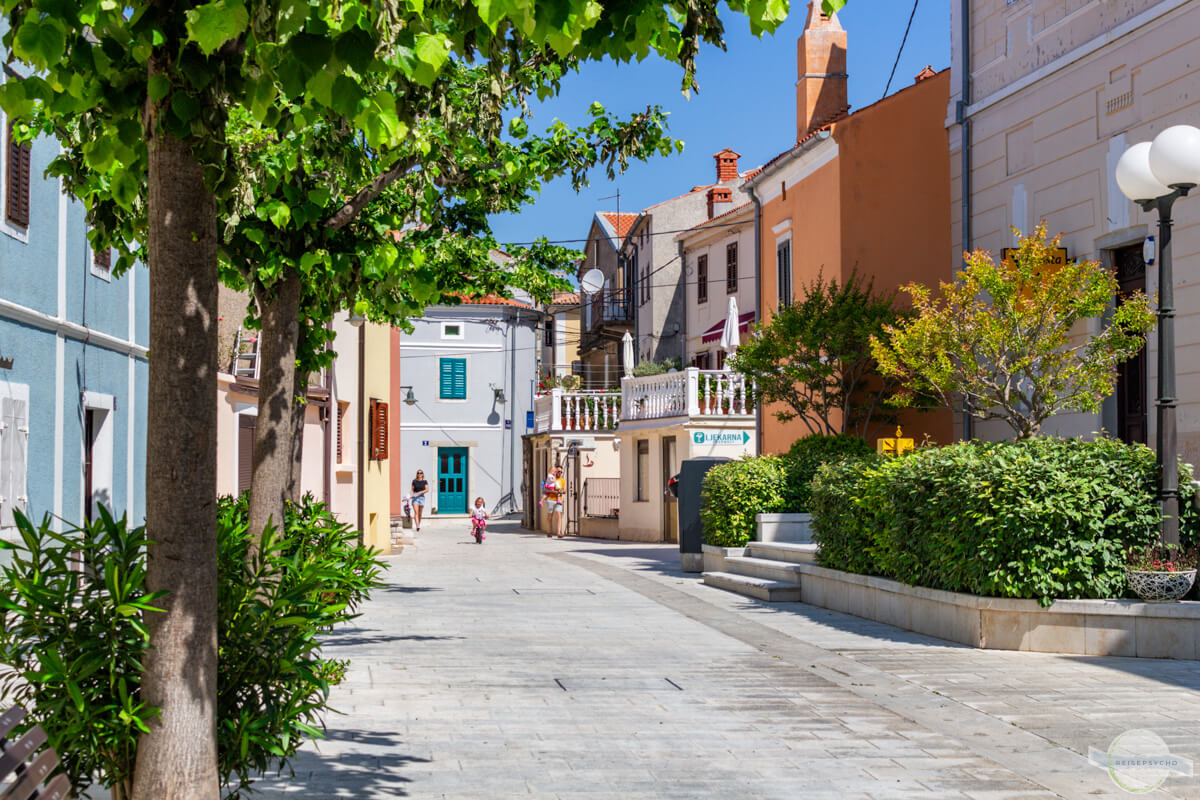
770 591
764 568
783 551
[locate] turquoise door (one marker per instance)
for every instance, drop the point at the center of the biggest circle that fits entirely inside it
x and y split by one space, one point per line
452 480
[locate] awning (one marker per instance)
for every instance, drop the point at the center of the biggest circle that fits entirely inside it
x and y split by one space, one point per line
714 333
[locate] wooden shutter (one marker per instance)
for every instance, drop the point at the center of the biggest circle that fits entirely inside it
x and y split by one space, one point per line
452 377
102 259
17 188
731 268
14 444
702 279
246 425
341 432
379 430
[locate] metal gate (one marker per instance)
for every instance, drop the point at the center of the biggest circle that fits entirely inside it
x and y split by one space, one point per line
574 491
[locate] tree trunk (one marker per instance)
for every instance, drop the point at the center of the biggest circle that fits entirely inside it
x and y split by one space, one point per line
177 759
299 411
273 432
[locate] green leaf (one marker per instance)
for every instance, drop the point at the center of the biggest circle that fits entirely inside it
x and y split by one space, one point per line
40 42
213 24
277 211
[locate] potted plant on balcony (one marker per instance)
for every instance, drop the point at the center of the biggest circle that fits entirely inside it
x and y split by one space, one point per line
1161 573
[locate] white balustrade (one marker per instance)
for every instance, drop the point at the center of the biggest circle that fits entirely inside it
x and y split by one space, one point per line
691 392
561 410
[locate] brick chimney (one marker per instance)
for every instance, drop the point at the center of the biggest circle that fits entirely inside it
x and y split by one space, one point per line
727 165
718 194
925 74
821 80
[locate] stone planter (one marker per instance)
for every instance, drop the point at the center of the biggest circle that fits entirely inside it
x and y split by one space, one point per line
1160 587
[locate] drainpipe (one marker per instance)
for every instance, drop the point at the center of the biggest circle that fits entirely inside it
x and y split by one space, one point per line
758 319
331 407
362 431
962 118
683 329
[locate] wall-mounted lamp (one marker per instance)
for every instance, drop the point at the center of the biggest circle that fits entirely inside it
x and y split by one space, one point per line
498 393
410 399
357 320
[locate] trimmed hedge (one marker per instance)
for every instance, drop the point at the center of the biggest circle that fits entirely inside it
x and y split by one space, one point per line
734 493
1044 518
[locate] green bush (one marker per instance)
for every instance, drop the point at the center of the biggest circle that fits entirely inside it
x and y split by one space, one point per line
1043 518
733 493
806 456
643 368
71 652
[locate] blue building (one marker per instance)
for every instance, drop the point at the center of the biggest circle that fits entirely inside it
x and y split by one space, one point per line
73 368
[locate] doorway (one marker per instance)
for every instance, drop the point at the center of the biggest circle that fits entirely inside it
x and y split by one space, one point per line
573 496
1131 375
670 465
452 480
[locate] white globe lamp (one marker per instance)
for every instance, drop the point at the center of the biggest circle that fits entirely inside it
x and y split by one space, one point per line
1174 156
1134 176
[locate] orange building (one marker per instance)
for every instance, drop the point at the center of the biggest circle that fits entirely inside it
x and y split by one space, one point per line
865 192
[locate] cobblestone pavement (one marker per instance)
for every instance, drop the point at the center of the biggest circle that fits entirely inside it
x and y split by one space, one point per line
581 668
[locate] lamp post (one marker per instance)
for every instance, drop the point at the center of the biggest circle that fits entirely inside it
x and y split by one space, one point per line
1154 175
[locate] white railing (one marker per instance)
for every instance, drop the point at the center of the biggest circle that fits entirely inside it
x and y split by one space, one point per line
691 392
560 410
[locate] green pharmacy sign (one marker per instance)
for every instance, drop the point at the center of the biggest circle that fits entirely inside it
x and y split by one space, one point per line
720 437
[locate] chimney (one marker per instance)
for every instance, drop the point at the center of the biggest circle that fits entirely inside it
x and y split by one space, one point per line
821 80
727 165
925 74
718 194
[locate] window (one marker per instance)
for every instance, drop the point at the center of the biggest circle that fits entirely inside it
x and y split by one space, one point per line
702 279
341 431
643 470
548 339
14 448
102 263
16 179
379 430
245 450
720 359
783 262
731 278
452 375
452 330
701 360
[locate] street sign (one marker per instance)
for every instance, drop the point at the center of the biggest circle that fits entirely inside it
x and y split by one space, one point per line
718 438
528 419
1058 256
425 443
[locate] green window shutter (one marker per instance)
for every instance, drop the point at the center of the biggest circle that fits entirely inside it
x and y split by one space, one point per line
453 378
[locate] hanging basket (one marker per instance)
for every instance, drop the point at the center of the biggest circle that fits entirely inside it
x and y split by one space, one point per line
1160 587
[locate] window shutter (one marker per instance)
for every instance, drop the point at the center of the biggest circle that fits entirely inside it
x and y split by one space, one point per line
341 432
245 465
731 268
14 450
702 279
17 190
452 377
446 378
460 379
379 430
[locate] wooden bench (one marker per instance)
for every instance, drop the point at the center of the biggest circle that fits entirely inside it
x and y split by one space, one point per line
28 767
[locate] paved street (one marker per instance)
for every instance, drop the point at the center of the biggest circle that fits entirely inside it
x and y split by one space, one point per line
537 667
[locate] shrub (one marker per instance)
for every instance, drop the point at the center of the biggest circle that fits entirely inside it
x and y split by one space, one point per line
733 493
643 368
1043 518
807 454
73 646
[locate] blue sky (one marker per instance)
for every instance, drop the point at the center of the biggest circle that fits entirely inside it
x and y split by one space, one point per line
746 101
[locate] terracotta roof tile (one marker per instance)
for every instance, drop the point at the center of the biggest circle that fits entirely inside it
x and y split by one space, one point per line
565 299
621 222
493 300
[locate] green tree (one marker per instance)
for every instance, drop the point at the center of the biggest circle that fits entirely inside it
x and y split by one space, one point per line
1009 337
814 358
138 93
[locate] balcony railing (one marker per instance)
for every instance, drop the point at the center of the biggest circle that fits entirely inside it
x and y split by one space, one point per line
611 306
691 392
560 410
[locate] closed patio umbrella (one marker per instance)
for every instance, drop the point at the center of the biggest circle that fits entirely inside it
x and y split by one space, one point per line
729 336
627 354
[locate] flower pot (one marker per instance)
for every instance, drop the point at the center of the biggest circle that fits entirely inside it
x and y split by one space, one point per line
1160 587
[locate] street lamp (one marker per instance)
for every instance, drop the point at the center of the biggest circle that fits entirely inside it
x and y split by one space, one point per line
1154 175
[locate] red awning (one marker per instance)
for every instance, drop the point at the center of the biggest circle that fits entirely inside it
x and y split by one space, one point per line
714 333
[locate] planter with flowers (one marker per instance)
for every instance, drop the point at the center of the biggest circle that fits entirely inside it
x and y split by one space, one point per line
1160 573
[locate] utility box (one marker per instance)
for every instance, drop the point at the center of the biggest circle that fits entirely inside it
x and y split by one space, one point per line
691 536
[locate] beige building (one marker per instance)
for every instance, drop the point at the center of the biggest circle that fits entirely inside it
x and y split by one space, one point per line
1045 97
559 354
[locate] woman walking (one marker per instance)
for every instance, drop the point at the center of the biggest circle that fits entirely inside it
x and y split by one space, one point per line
420 487
553 490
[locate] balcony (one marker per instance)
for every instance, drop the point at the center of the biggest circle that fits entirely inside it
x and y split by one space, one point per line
611 307
689 393
561 410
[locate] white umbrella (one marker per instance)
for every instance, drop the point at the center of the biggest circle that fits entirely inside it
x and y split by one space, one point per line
729 335
627 341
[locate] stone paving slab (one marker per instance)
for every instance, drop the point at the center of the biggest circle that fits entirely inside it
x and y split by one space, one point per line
528 667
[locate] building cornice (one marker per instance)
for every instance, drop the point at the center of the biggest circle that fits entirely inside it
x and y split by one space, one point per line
71 330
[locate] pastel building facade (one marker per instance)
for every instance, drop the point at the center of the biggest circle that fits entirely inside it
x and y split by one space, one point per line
861 193
73 368
472 369
1045 96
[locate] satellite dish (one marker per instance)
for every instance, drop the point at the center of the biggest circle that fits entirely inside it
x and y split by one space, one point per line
592 281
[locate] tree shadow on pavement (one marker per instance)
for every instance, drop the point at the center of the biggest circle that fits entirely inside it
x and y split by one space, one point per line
346 763
663 559
357 637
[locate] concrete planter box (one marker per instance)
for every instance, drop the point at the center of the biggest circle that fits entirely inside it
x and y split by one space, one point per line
792 528
1083 627
714 557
